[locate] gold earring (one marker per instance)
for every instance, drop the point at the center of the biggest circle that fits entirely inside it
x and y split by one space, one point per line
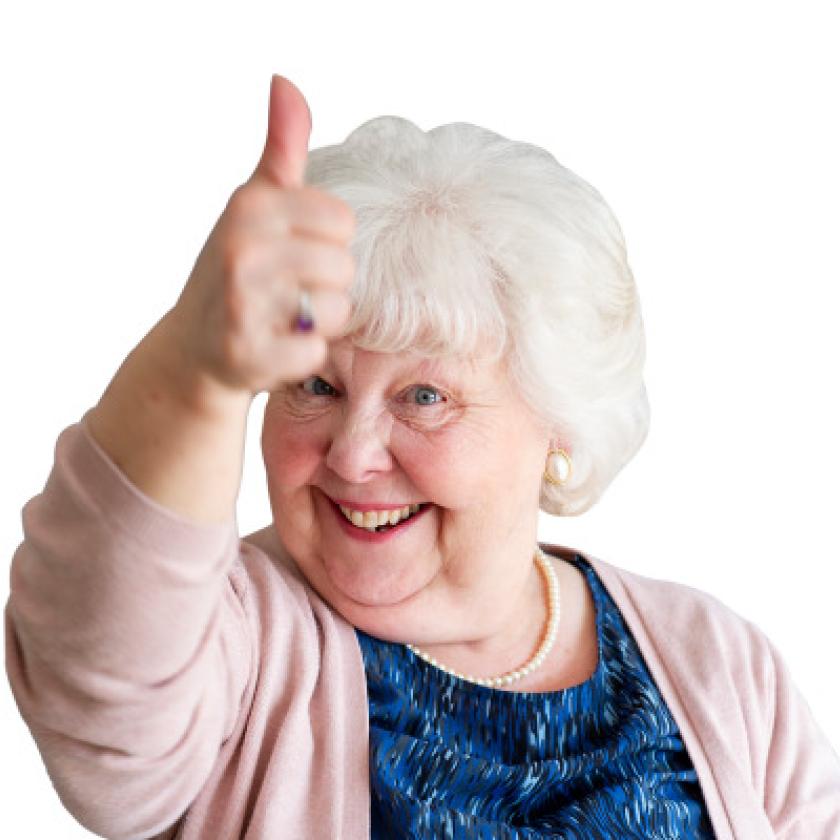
558 466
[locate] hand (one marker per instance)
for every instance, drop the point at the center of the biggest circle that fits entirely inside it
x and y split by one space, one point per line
235 317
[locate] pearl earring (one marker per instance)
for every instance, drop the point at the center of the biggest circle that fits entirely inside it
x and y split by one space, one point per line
558 466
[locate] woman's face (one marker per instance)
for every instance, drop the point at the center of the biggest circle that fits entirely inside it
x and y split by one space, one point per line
376 432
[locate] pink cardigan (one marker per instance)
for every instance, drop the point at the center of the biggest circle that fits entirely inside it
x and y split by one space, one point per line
181 682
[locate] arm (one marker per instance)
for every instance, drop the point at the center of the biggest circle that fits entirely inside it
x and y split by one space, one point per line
802 789
174 432
126 644
125 678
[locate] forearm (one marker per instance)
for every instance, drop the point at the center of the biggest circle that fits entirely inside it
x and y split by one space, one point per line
175 434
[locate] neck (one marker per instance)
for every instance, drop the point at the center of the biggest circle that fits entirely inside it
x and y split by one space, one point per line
513 639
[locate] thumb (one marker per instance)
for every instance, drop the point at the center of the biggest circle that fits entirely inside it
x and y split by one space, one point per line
283 159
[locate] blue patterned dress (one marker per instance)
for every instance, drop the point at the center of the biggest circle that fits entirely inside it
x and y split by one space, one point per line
603 759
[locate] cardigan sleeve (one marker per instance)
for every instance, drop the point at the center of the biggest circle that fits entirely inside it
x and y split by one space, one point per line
802 787
126 643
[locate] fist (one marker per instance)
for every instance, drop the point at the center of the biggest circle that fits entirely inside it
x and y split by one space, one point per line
236 317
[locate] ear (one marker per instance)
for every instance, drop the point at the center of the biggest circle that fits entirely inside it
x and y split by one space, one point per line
558 462
558 441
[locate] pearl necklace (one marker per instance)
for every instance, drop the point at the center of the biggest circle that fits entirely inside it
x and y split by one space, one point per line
548 639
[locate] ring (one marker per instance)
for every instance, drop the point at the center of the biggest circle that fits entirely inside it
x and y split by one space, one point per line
304 322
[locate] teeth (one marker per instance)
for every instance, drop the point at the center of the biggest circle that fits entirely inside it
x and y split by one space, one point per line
372 519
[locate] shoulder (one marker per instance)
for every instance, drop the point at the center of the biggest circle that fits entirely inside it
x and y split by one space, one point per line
668 604
693 633
269 582
734 692
265 566
697 623
671 606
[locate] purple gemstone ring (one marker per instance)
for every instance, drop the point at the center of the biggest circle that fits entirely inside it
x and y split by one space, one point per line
304 322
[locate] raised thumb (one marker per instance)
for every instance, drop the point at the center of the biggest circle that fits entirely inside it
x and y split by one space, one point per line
283 159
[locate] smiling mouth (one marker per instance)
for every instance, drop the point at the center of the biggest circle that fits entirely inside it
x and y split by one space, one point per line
382 520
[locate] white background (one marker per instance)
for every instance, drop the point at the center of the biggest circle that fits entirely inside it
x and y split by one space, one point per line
708 129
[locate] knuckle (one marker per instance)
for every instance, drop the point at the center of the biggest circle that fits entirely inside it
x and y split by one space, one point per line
333 323
307 194
333 212
231 255
342 310
301 354
241 351
348 266
332 313
239 200
312 352
341 217
231 355
235 309
241 253
248 201
299 201
326 262
347 221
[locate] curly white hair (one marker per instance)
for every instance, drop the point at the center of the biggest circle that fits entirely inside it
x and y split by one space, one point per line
466 240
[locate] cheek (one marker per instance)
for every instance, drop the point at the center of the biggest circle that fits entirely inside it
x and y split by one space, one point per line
443 467
291 451
486 472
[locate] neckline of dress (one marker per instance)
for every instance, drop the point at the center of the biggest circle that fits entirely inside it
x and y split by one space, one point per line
456 683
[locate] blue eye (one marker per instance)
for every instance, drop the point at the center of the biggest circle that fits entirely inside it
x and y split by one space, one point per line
424 395
318 387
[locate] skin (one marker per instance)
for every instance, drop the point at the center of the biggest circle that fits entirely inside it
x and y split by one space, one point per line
460 582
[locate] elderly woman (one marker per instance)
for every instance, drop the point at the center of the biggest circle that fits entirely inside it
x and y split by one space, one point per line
450 337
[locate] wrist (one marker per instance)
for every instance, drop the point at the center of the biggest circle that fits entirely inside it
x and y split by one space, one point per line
185 381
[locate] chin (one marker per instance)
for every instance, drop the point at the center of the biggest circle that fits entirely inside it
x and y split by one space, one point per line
371 586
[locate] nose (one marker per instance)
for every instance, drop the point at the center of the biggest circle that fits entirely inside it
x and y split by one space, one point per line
359 449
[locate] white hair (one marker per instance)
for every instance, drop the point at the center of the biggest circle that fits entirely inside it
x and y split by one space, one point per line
465 238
